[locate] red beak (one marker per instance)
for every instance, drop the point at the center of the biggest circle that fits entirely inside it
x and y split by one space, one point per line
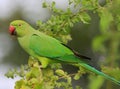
12 30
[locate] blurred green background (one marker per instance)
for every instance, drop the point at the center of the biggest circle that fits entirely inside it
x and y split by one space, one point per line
11 54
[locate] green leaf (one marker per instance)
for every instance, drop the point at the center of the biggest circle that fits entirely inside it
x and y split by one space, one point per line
53 4
84 17
10 74
77 76
105 19
95 82
78 87
60 72
21 85
44 4
98 43
69 80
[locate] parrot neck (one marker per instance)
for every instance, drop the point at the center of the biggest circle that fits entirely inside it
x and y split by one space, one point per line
26 31
24 42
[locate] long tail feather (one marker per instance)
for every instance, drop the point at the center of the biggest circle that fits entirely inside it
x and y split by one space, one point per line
72 59
90 68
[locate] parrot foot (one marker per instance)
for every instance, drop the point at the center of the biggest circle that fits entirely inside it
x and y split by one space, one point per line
44 62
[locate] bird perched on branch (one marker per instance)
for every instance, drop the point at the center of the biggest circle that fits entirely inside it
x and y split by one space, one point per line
47 49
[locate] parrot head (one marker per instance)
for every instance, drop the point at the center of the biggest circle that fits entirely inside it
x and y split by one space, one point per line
18 28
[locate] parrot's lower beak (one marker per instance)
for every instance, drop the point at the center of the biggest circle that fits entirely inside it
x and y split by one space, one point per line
12 30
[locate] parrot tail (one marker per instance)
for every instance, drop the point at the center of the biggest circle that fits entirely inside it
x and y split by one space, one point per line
74 60
90 68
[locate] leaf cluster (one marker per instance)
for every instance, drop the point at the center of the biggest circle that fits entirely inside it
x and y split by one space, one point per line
107 43
61 21
53 77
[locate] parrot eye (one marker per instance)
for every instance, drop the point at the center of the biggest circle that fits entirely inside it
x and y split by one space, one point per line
20 25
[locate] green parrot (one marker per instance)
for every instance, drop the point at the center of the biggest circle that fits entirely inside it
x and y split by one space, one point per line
48 49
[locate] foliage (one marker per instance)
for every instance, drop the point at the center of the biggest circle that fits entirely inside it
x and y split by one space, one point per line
97 83
108 42
34 77
59 25
61 22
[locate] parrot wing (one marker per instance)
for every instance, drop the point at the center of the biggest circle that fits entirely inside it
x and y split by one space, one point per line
46 46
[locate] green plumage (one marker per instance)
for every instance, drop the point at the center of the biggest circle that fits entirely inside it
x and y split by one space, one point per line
47 46
47 49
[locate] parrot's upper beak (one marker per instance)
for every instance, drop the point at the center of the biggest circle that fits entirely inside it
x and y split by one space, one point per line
12 30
